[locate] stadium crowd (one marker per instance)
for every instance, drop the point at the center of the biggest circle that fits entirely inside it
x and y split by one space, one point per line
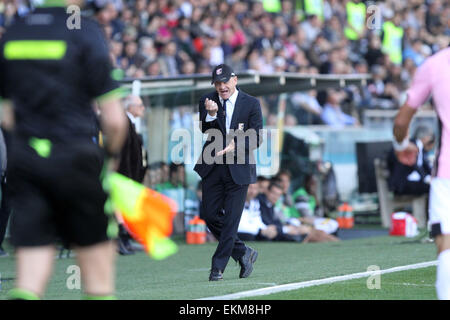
166 38
175 37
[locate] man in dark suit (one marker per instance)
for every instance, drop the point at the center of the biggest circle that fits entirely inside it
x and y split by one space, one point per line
287 230
232 119
412 179
133 162
267 202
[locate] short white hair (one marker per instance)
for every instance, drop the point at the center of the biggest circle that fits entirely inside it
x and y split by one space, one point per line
128 100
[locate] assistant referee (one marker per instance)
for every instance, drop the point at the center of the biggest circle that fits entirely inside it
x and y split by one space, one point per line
49 77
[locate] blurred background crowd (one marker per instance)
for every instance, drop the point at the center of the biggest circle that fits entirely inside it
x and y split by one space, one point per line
169 38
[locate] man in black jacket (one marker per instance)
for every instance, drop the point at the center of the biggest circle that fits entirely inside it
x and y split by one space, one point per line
287 231
132 163
414 179
132 159
267 203
232 119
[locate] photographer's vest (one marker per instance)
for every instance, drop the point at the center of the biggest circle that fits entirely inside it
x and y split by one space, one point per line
356 17
272 5
392 41
314 7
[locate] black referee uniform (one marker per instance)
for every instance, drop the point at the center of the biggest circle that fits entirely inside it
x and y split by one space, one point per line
52 74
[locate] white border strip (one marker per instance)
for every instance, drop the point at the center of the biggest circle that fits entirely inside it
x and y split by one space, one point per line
298 285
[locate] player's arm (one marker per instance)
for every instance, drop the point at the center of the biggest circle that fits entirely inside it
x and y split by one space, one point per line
114 123
208 114
7 114
6 106
419 92
104 89
402 121
405 150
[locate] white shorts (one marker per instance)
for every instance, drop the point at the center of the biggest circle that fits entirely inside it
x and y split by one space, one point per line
439 207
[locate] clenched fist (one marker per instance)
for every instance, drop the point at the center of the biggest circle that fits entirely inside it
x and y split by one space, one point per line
212 107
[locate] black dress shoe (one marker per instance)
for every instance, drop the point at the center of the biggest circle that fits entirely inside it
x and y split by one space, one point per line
128 246
3 253
215 275
122 249
246 262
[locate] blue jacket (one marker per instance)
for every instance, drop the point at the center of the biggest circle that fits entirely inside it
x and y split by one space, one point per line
246 115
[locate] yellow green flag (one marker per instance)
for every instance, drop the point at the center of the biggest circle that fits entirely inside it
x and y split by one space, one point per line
147 214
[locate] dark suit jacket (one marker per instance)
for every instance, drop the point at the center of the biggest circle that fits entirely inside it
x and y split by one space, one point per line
268 214
268 217
247 112
131 157
398 175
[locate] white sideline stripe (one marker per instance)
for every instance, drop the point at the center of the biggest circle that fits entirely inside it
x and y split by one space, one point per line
299 285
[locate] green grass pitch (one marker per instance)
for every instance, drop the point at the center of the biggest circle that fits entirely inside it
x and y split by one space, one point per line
185 275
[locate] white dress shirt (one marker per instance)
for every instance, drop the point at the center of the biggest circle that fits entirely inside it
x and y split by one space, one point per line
136 121
229 109
251 221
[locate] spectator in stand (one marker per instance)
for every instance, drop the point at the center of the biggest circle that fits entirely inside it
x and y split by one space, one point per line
105 12
332 113
414 179
263 184
318 51
183 40
163 174
284 179
153 68
168 59
131 54
308 209
237 58
415 52
374 55
312 26
165 38
176 189
333 30
188 67
307 109
382 91
434 18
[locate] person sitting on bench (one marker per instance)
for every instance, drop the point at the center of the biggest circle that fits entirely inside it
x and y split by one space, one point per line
415 179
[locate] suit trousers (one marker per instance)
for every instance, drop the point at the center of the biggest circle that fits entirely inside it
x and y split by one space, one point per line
223 202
